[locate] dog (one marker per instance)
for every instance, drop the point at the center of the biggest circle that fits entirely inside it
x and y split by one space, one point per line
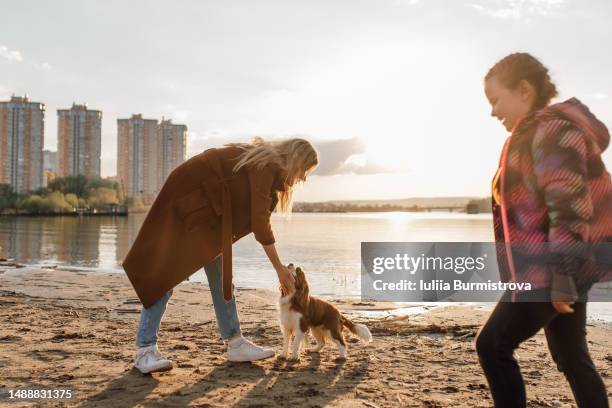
301 313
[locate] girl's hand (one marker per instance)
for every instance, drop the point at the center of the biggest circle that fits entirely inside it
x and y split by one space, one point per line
286 279
563 307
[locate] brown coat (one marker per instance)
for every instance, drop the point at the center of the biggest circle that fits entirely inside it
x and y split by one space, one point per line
202 208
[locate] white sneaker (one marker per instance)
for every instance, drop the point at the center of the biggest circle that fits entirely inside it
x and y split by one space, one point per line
244 350
149 360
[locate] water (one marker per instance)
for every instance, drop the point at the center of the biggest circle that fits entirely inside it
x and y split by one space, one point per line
326 245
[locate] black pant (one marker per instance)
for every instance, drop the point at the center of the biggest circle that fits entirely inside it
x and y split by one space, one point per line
512 323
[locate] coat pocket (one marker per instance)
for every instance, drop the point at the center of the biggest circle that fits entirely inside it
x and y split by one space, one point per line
194 209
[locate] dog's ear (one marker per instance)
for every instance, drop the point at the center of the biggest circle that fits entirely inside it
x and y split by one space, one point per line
301 283
301 289
299 277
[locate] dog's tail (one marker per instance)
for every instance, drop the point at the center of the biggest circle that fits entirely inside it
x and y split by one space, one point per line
359 330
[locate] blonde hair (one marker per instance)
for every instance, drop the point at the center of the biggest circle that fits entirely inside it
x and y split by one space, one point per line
294 157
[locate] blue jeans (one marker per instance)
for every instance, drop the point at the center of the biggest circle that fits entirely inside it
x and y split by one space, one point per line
225 311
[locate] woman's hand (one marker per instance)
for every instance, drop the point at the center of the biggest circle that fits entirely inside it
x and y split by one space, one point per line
286 279
563 307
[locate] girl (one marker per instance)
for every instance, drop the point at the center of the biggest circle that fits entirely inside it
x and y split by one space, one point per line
206 204
551 190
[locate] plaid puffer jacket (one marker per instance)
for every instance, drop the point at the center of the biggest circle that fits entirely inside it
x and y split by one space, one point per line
555 200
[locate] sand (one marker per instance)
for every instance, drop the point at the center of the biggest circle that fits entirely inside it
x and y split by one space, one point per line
76 330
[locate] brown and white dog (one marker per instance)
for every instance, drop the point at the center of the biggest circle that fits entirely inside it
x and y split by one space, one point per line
300 312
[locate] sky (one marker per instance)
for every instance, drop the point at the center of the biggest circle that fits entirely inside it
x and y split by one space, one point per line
389 91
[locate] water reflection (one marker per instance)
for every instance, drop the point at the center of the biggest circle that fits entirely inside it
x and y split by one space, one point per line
326 245
18 236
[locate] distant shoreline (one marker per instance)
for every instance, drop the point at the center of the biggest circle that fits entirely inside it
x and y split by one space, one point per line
321 211
66 214
465 205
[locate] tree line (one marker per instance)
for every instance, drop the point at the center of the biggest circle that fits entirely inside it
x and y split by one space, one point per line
68 194
478 205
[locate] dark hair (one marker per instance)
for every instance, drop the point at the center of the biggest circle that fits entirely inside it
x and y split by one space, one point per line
515 67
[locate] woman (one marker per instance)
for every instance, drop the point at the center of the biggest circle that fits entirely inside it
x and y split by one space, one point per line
206 204
551 192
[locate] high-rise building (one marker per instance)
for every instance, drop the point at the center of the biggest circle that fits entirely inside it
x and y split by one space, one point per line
138 147
147 152
79 141
50 160
49 166
173 151
21 143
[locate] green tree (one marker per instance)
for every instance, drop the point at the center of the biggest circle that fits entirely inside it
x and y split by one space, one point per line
36 204
135 204
73 184
8 198
58 202
72 200
482 205
20 202
99 182
42 191
101 197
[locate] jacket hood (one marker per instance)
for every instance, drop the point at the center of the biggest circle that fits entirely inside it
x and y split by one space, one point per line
580 116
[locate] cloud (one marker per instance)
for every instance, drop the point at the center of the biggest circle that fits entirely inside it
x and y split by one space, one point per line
180 116
345 156
340 156
168 85
46 66
599 96
4 93
198 142
408 2
359 164
515 9
11 55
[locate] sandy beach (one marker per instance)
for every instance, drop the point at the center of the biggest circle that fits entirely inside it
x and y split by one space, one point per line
76 330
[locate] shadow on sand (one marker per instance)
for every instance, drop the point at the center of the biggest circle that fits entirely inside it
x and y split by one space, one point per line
244 385
131 382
